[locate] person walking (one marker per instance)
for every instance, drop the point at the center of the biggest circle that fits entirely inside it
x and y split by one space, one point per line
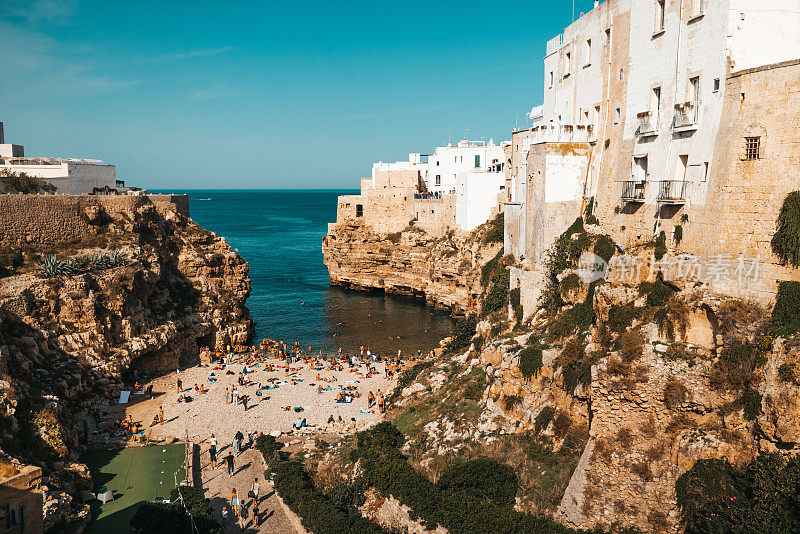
231 463
235 446
235 504
212 451
244 402
161 414
235 395
238 440
254 489
227 396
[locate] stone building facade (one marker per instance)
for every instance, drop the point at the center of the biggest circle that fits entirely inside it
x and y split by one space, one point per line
664 97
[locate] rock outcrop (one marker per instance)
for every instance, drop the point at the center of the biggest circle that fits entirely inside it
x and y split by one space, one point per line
444 271
141 289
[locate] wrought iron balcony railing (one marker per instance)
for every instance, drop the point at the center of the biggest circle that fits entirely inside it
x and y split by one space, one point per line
633 190
673 191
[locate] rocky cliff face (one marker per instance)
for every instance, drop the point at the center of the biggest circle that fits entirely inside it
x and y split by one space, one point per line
601 400
181 288
444 271
68 335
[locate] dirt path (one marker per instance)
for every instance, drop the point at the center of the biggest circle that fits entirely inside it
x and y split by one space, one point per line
275 518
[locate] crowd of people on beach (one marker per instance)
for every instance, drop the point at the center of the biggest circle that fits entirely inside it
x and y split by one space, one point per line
293 365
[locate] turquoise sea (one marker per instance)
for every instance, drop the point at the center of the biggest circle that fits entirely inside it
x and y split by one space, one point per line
279 233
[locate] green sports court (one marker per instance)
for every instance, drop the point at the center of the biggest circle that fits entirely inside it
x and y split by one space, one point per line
135 475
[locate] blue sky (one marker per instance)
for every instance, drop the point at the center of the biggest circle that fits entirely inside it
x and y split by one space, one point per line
266 94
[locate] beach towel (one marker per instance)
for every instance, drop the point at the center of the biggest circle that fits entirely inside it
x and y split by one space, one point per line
124 397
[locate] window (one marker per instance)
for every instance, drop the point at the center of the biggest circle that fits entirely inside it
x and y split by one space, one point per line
567 63
639 171
588 51
716 85
477 160
617 115
437 162
697 8
694 90
608 35
752 147
551 79
660 15
704 176
620 74
655 105
596 116
438 179
359 210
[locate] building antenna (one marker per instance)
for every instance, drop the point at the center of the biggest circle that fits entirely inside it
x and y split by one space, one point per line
573 10
466 133
448 136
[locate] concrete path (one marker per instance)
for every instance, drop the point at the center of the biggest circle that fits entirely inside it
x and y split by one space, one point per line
275 516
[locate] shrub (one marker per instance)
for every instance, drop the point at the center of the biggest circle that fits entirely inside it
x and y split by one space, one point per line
496 231
788 373
677 234
394 237
516 305
631 345
750 401
543 418
661 245
318 513
408 376
489 267
163 518
621 317
735 366
511 401
530 360
268 446
604 247
561 424
735 314
460 511
674 393
496 297
474 389
786 313
786 240
570 284
642 470
463 332
658 293
483 479
625 437
715 496
21 182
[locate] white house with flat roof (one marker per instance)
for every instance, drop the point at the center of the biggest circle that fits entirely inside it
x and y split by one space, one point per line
71 176
447 162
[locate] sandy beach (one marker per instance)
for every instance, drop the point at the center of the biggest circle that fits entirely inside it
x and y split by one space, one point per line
209 413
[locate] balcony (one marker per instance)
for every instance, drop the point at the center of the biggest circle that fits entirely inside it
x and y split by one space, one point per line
633 191
686 117
648 123
672 191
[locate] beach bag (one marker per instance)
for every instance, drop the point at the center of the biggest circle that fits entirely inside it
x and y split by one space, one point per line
251 494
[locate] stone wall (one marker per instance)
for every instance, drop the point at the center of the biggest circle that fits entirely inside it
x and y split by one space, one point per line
21 495
436 216
56 219
743 197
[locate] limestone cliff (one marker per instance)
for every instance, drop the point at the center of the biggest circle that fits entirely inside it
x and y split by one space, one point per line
444 271
180 288
134 285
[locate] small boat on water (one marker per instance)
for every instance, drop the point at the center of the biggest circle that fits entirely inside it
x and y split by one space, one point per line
203 199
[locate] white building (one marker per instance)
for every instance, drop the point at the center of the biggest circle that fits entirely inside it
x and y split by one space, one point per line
70 176
632 112
447 162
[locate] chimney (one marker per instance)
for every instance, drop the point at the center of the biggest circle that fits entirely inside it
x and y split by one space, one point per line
596 3
2 137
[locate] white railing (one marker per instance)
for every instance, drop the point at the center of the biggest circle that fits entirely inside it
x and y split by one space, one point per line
554 44
687 114
648 122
